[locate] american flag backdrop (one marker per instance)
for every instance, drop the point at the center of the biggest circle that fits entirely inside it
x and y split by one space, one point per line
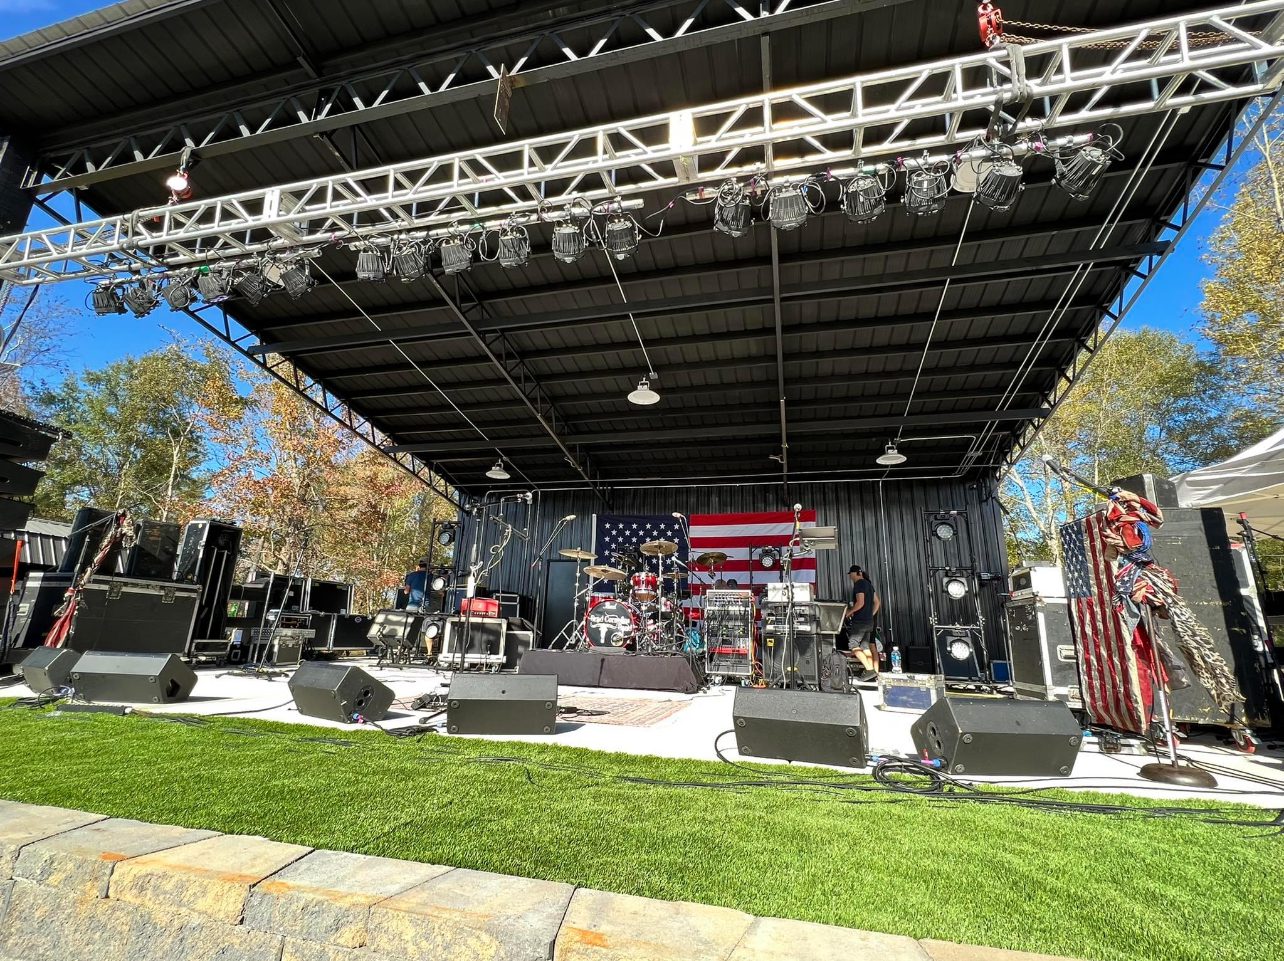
736 535
628 532
1116 687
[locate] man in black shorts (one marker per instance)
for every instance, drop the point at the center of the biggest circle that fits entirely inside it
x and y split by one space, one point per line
858 623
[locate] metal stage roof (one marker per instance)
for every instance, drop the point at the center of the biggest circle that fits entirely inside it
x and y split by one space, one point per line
961 328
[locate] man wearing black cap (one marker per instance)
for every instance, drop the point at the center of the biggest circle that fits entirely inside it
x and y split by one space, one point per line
858 622
415 586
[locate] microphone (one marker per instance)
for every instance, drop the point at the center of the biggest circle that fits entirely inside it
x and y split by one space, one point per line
1051 463
797 508
679 516
568 517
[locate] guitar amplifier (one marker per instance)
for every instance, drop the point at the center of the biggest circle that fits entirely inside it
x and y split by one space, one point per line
480 606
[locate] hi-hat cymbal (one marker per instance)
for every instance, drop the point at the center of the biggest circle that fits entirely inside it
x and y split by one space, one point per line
675 575
709 558
602 572
577 553
659 548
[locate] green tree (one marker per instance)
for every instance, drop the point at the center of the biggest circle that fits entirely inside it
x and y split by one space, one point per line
1243 303
142 430
33 338
1150 402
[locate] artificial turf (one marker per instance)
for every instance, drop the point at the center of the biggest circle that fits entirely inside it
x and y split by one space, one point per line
1082 885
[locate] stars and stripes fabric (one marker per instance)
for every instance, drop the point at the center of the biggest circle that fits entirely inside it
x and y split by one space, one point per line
626 533
1115 681
740 535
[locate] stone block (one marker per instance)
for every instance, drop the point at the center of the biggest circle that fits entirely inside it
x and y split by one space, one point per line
619 927
6 888
471 915
45 924
171 937
327 895
211 878
80 862
21 824
950 951
774 939
316 951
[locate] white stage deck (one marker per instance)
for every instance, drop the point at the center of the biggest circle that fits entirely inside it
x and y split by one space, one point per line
666 724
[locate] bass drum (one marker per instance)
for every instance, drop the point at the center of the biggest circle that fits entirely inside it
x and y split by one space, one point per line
610 623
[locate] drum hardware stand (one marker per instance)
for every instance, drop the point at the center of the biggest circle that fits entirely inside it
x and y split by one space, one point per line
1171 771
565 638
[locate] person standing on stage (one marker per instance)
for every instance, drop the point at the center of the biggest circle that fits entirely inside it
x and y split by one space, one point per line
415 586
858 622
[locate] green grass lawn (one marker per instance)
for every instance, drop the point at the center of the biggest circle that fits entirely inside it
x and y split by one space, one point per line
1090 886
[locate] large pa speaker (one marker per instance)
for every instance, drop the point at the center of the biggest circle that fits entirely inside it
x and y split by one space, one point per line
154 551
1001 737
338 692
819 728
502 704
132 678
48 668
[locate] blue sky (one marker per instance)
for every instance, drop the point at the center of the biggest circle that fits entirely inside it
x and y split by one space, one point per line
1170 302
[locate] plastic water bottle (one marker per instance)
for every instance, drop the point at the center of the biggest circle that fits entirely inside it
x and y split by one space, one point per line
896 659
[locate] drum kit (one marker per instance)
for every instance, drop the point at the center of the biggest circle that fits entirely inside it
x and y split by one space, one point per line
635 603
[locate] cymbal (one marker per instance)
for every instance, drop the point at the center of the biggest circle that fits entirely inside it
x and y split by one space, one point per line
675 575
602 572
659 548
577 553
709 558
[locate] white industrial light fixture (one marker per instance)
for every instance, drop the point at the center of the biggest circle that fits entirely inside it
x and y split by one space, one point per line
409 260
865 197
731 211
622 236
999 186
926 188
370 265
1079 171
788 207
569 242
456 254
498 473
644 395
514 246
890 456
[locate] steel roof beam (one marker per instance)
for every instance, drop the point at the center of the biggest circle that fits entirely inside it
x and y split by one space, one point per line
735 431
1161 67
571 46
902 282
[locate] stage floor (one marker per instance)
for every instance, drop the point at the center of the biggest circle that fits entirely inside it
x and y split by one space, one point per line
666 724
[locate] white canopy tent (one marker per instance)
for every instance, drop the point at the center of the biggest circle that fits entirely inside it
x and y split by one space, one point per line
1252 481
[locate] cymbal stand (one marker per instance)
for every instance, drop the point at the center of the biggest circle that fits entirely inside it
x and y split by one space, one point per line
566 638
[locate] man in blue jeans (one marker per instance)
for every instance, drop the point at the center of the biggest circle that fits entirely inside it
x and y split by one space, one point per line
858 623
415 586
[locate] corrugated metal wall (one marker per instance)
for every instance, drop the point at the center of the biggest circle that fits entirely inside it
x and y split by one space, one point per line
880 526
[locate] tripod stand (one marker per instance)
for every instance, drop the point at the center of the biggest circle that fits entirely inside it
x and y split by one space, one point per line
566 638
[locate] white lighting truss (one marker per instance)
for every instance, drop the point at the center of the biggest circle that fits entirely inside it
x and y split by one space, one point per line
1053 86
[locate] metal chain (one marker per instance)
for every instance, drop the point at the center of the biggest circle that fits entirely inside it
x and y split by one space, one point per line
1204 38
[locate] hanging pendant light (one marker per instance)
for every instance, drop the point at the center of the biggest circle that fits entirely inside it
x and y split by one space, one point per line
498 473
890 456
644 396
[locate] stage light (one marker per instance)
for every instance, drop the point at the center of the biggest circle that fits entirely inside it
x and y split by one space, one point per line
498 473
253 286
732 214
944 530
409 261
142 298
456 254
180 181
890 457
439 581
622 236
769 558
106 299
514 246
297 278
999 185
569 242
433 629
446 535
179 293
956 588
644 395
865 197
926 189
370 265
959 648
1087 165
213 285
787 206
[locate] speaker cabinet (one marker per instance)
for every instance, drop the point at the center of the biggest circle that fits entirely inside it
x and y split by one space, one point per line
502 704
154 552
999 737
132 678
1160 490
1044 661
806 726
48 668
338 692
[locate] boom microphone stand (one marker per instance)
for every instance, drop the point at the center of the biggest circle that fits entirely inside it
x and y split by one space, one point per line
1170 772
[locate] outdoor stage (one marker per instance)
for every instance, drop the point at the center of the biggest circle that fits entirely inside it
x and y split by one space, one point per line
672 725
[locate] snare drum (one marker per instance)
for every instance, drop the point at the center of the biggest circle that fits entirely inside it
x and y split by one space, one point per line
644 586
610 623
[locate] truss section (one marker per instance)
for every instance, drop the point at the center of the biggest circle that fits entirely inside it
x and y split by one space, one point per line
452 74
836 126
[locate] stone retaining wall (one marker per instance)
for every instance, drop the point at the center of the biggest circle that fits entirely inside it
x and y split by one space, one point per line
83 886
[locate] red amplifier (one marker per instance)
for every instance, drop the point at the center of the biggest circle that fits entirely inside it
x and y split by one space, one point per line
479 606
